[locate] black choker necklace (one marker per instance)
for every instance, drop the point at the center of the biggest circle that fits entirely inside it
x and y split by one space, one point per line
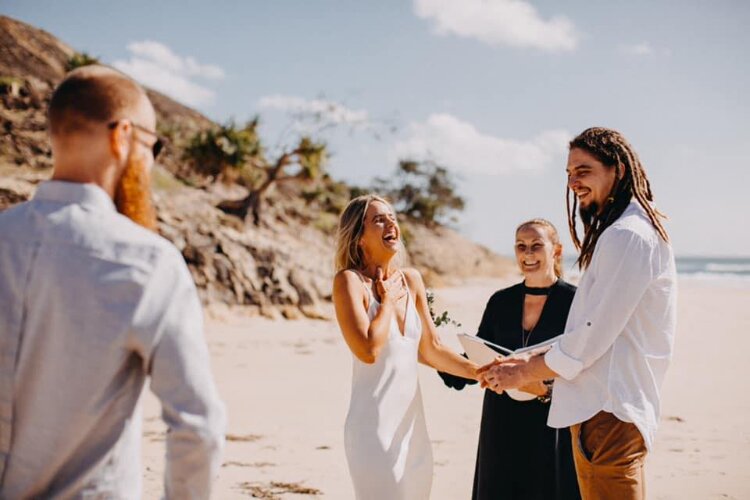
537 291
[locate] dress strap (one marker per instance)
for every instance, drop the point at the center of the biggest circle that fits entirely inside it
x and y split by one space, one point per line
367 287
403 280
406 285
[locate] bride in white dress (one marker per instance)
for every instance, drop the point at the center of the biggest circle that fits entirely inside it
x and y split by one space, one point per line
385 320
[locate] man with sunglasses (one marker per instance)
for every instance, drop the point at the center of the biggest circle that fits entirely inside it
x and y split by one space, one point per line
92 303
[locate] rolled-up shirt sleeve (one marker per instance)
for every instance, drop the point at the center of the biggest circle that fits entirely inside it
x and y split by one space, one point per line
181 378
623 269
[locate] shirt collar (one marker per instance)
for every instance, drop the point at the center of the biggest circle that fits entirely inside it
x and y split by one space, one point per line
634 207
74 192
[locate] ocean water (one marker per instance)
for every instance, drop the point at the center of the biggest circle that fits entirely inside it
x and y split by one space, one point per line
717 270
734 269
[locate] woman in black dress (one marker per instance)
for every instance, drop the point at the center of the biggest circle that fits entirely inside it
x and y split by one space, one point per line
519 456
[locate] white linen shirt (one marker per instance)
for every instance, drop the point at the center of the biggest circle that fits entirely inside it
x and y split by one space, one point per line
619 335
91 305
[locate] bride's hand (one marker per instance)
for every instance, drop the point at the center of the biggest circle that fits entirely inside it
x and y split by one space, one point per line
391 290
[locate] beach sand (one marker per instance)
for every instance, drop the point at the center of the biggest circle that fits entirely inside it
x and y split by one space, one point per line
286 385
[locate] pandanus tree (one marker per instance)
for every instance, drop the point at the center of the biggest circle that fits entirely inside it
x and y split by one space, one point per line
424 191
236 155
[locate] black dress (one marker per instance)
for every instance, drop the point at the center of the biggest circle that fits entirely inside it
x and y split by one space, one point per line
519 456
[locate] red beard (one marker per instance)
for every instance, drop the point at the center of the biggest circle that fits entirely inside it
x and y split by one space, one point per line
133 194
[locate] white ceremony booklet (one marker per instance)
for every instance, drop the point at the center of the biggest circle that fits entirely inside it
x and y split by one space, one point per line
483 352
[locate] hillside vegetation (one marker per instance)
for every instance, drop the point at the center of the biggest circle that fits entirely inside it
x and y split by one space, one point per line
255 229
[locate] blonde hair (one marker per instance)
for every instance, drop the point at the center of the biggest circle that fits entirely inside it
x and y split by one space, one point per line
553 236
349 255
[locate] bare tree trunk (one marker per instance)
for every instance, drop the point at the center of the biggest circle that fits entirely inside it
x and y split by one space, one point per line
251 204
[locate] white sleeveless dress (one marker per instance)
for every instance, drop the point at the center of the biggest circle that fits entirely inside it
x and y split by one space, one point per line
385 435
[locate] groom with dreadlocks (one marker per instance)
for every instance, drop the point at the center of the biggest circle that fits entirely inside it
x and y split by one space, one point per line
610 362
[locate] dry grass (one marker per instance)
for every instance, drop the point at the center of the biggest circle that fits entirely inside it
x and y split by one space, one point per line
272 490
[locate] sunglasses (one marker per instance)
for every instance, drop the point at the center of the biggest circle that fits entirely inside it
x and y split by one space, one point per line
156 147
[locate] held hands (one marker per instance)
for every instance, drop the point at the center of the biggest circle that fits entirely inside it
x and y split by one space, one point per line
508 373
537 388
389 290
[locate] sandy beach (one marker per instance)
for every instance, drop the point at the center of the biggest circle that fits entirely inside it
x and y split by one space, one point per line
286 385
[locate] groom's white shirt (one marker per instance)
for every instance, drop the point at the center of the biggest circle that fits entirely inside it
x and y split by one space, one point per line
619 336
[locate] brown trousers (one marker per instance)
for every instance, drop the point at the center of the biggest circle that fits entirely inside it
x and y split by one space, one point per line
609 455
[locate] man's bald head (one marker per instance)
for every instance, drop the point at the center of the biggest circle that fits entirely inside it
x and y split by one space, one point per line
102 132
94 95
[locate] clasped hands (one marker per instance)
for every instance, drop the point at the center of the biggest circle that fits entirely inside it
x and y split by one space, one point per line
510 372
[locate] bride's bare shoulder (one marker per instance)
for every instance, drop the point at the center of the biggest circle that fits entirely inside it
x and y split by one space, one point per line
413 277
347 279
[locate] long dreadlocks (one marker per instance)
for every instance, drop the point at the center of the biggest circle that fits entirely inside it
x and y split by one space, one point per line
613 150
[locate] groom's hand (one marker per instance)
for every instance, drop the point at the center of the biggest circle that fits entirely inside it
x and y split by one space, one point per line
503 374
537 388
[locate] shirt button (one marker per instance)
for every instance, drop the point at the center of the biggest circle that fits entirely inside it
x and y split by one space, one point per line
588 323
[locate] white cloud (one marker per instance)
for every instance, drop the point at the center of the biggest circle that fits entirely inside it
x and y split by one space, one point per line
162 54
638 49
643 49
157 66
326 111
458 144
499 22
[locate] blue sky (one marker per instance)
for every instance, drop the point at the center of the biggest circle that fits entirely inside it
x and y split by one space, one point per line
490 88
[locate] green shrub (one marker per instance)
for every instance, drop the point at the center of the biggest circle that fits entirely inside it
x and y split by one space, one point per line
224 151
439 319
236 155
423 191
80 59
328 195
11 86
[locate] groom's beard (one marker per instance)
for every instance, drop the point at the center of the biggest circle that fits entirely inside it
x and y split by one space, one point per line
588 213
133 194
